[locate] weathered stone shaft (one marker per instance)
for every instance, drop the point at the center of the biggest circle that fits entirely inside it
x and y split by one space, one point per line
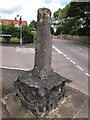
41 88
43 50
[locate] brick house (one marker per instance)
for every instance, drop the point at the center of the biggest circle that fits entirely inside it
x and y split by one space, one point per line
16 22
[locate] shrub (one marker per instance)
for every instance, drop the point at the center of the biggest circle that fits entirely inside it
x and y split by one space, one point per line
15 40
6 39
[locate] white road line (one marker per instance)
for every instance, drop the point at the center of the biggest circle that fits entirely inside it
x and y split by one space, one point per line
64 55
14 68
79 67
72 62
68 58
87 74
32 49
55 53
57 50
25 50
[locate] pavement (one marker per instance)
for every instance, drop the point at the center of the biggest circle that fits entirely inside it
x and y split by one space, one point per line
69 59
73 105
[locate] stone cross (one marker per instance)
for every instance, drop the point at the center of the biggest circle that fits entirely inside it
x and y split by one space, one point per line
43 42
40 89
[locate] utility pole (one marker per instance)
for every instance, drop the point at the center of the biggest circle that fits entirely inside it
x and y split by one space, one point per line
20 28
20 23
0 27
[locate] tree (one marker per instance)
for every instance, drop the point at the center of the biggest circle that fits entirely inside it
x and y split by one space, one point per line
11 29
74 19
60 19
26 34
79 12
33 24
52 30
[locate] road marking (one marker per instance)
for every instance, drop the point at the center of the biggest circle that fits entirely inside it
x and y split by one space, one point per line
87 74
72 62
14 68
32 49
79 67
64 55
68 58
55 53
57 50
25 50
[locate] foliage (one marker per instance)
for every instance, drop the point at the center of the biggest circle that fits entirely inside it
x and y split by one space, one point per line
81 15
14 40
73 19
52 30
32 25
28 33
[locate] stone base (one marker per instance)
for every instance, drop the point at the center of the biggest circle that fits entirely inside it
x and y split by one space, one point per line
40 94
74 105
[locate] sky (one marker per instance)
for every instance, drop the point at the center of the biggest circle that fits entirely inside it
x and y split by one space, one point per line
9 9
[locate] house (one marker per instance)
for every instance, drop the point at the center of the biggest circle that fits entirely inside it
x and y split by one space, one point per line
16 22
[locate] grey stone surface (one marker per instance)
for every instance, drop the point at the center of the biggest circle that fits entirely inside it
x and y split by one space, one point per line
43 49
10 76
67 107
14 108
75 106
0 110
5 112
40 89
83 113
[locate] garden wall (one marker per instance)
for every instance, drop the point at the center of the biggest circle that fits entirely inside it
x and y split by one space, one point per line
81 39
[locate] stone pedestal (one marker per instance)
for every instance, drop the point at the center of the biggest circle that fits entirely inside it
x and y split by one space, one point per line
40 89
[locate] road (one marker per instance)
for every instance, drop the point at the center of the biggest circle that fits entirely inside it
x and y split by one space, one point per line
69 59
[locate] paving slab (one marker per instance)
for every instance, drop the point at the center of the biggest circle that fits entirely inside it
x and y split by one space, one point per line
15 108
5 112
76 103
83 113
8 77
73 105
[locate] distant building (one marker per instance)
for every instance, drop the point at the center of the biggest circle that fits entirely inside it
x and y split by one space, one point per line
16 22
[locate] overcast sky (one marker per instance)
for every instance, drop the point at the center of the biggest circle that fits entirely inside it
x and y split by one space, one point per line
9 9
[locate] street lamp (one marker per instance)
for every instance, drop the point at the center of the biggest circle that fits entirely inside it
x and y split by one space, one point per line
20 26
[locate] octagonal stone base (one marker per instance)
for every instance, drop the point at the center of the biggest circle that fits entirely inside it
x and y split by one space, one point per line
40 94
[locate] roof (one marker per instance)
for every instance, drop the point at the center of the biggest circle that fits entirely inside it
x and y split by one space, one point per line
16 22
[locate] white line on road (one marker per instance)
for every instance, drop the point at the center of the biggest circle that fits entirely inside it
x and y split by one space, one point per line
87 74
72 62
14 68
25 50
79 67
64 55
57 50
68 58
32 49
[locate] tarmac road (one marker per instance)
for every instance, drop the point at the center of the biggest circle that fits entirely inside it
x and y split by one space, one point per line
72 62
69 59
